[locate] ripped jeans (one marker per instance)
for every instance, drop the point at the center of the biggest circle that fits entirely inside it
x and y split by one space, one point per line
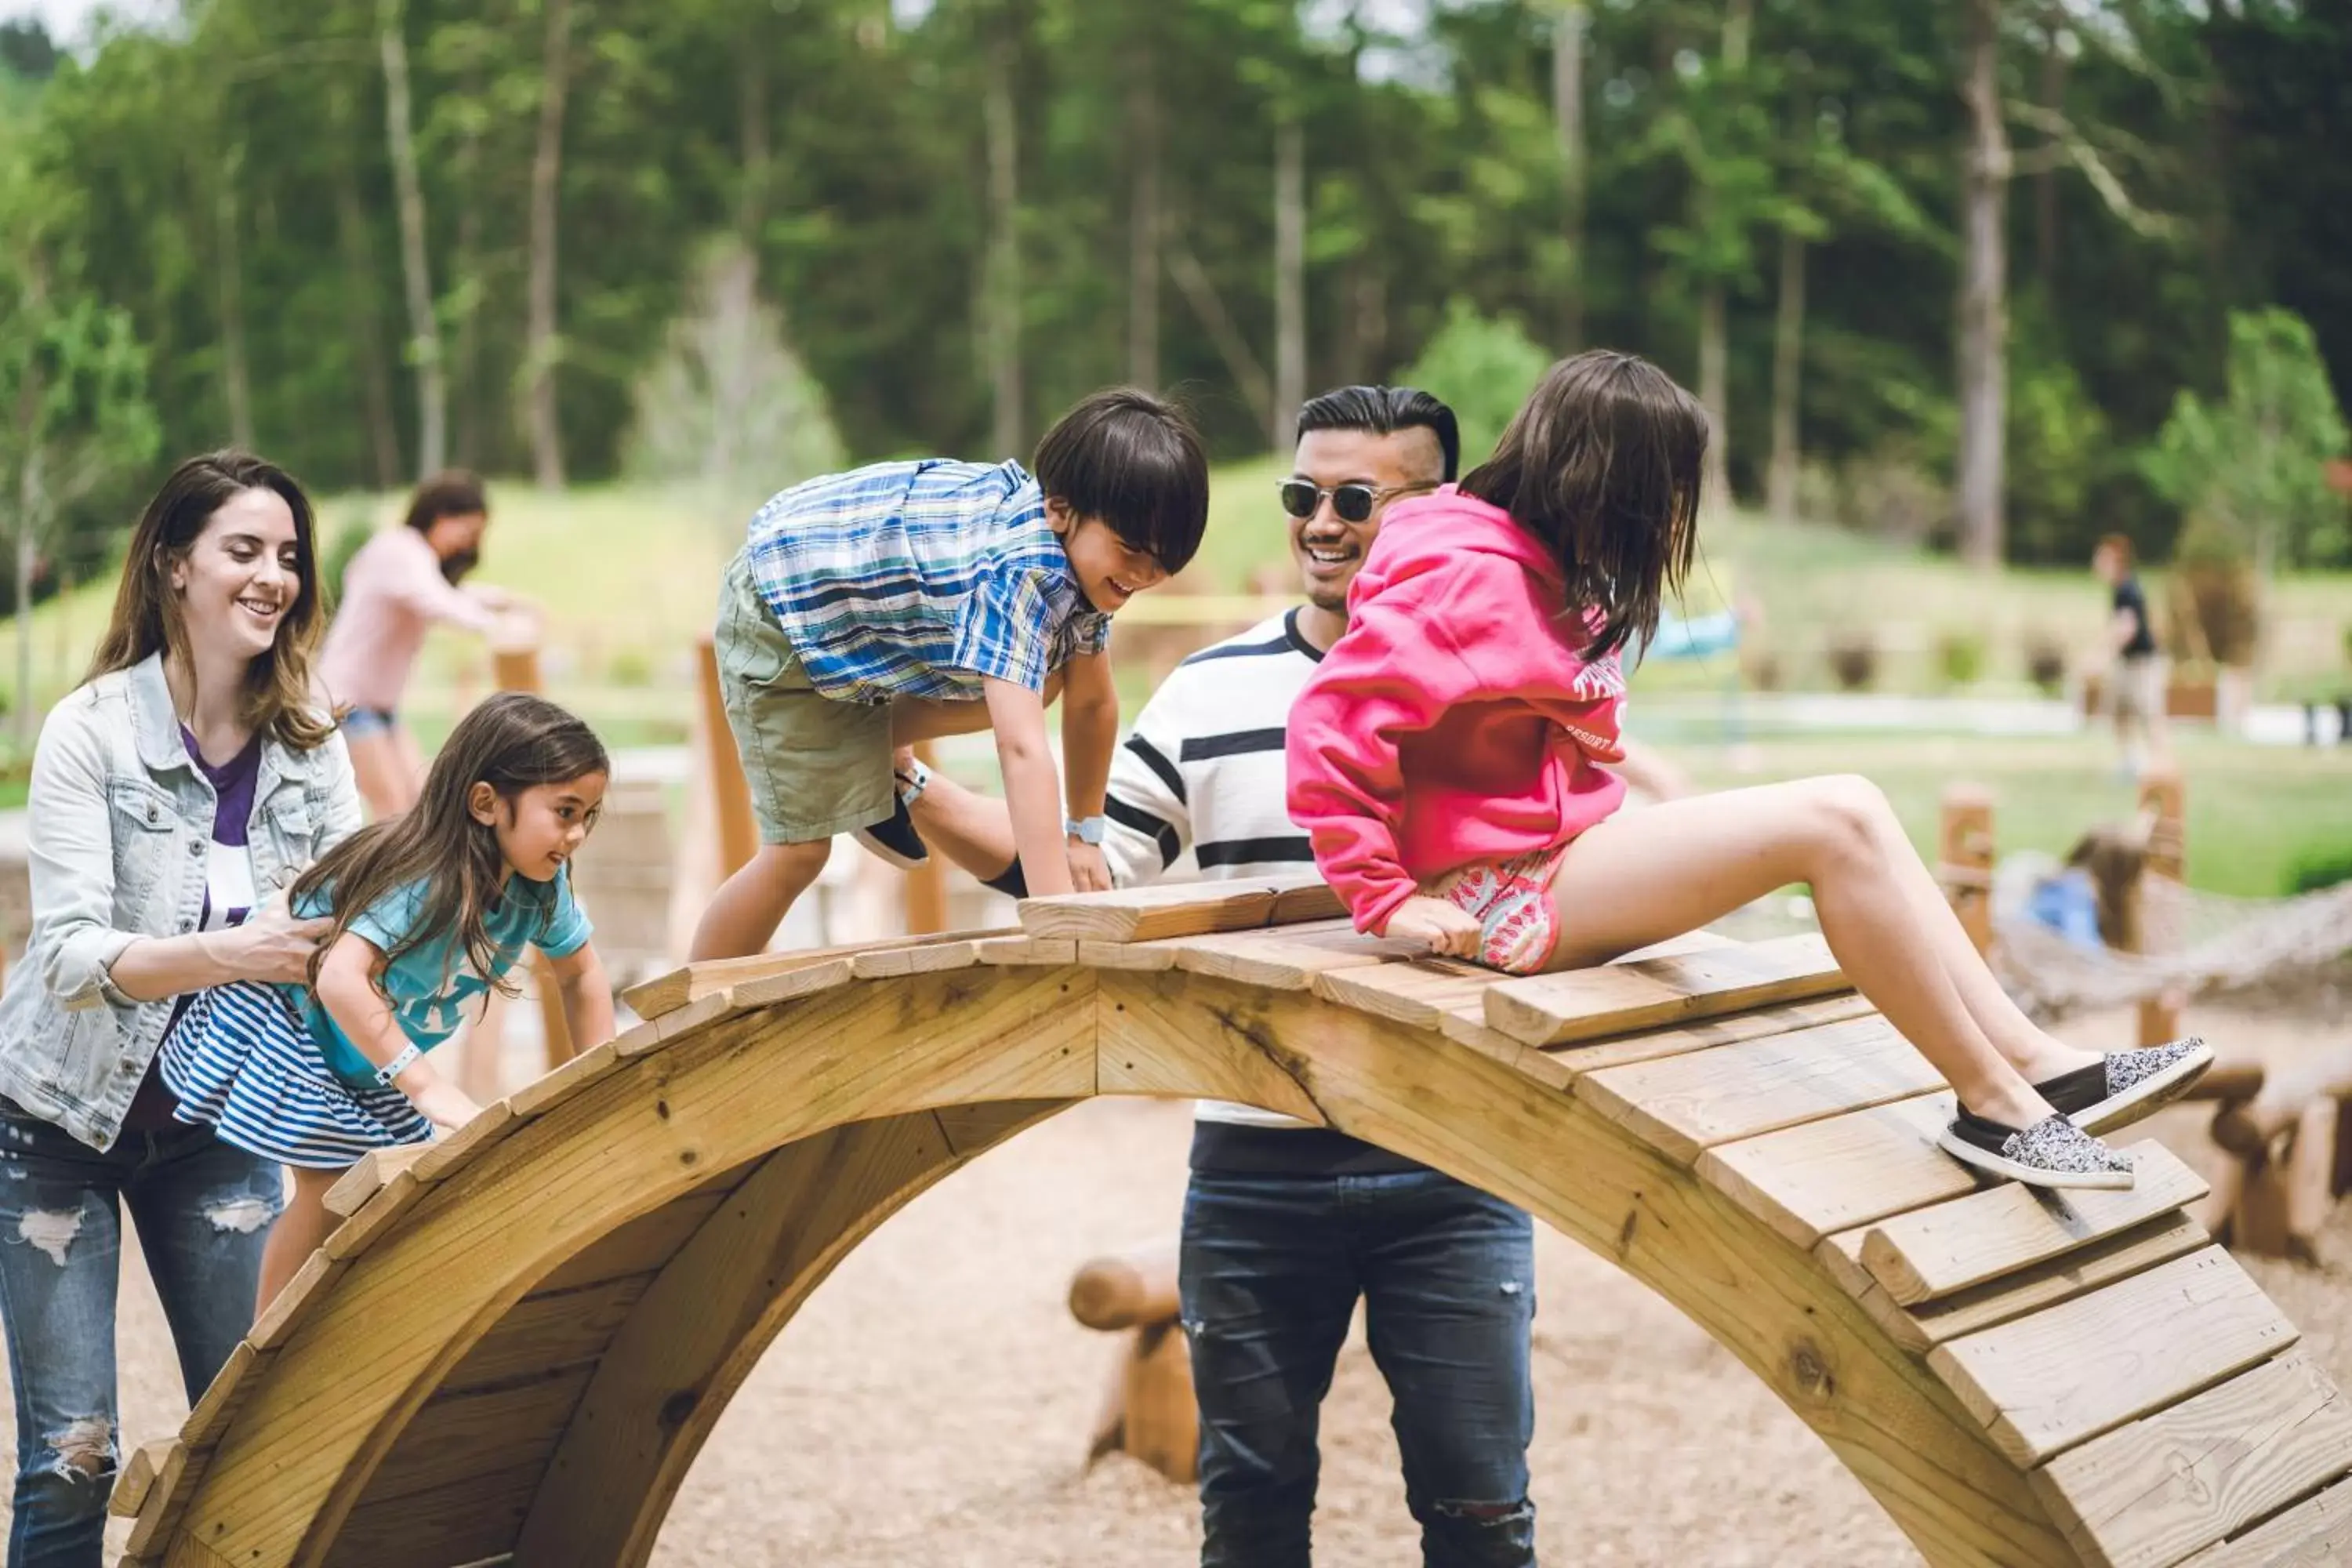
1269 1271
203 1209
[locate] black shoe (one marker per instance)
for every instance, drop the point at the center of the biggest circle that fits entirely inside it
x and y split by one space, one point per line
1010 881
2125 1086
2053 1152
895 840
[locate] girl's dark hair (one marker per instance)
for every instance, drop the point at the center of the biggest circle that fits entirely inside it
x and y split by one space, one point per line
1601 465
511 742
1383 411
277 696
1134 461
452 492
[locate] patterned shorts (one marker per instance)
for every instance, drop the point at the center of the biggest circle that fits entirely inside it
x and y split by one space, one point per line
1519 925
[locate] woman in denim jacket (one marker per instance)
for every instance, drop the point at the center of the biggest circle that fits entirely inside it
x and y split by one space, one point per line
173 794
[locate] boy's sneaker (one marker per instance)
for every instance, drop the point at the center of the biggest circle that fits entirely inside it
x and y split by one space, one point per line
2053 1152
894 839
2125 1086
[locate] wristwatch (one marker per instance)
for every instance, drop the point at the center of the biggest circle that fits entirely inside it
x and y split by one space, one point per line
1088 830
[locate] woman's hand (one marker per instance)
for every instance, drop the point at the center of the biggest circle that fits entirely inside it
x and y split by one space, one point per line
1090 872
1448 931
445 1105
273 945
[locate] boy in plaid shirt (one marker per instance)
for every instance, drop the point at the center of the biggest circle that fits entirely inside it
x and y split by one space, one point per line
905 601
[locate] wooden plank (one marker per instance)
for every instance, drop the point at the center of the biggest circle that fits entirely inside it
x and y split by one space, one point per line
219 1401
1684 1105
459 1433
1287 958
2316 1533
1179 909
969 1128
473 1523
1024 949
1921 1329
546 1330
1648 1044
1824 1176
663 994
2150 1493
2043 1384
166 1500
897 963
166 1456
355 1235
549 1088
640 1245
362 1181
794 984
1417 994
654 1034
1139 957
1588 1004
313 1280
1137 1051
1935 1252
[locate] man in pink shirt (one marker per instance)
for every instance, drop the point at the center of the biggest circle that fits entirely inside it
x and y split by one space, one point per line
401 582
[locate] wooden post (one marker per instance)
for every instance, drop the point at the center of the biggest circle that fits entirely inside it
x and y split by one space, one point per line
926 884
1148 1410
514 666
2161 795
1965 855
722 771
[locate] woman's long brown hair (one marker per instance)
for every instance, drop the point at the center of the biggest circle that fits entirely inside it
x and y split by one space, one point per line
1602 464
276 699
511 742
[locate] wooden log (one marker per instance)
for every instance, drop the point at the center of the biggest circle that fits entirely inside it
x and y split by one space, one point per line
1965 855
2161 797
1125 1290
1159 1420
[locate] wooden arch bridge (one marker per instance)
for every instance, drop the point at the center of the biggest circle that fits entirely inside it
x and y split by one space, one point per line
514 1346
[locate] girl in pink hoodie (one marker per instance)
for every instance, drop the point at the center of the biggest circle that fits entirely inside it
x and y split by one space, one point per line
1448 761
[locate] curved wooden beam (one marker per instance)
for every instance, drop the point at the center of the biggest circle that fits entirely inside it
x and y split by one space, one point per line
521 1341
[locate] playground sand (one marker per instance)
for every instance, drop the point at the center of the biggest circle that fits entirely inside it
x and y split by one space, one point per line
930 1404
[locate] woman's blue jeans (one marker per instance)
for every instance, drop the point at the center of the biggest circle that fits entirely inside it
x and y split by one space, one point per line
203 1209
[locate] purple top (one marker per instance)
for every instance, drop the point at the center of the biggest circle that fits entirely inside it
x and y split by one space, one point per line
229 896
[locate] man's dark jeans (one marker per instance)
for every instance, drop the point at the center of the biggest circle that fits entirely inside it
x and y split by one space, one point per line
203 1209
1272 1266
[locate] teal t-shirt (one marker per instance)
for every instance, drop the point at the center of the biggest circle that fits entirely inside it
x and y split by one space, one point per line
431 984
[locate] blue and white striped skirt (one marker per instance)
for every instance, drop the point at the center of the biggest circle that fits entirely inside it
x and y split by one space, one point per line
241 1060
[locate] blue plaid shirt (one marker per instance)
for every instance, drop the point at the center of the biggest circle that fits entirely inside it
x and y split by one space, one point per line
918 579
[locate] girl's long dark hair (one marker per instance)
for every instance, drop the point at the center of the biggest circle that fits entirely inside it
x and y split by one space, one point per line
511 742
277 696
1601 465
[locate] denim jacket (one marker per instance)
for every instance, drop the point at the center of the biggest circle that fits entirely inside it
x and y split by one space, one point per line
119 835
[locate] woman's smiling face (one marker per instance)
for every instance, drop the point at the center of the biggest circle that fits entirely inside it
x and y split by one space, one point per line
241 576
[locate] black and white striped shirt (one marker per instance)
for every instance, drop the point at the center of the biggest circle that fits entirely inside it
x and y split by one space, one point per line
1199 785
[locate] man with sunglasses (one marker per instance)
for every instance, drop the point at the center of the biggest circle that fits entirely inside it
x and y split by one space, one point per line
1287 1225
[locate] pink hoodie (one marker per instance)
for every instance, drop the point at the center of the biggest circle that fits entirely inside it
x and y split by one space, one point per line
1457 720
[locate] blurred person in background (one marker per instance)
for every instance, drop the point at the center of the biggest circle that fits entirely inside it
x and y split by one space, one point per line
2133 692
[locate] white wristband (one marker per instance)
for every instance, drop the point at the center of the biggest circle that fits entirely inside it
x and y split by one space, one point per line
398 1065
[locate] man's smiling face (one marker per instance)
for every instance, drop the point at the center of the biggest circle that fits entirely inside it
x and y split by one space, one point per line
1328 548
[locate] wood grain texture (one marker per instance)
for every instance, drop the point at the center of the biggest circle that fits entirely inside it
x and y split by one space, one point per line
1824 1176
2153 1492
1182 909
1938 1251
2045 1383
2315 1533
1644 993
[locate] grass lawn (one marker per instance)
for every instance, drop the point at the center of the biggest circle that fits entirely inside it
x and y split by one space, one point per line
2253 812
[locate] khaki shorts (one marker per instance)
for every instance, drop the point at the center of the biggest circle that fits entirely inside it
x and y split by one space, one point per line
2135 688
817 767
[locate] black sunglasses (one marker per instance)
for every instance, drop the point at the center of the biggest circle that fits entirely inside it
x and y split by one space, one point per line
1353 502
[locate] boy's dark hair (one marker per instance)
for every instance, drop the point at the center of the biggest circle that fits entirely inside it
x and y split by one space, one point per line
510 742
1134 461
2117 544
1601 465
452 492
1383 411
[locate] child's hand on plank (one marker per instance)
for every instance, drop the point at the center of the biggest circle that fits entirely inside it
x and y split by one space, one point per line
1090 872
1448 931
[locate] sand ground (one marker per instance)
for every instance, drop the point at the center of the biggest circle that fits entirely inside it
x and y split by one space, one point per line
930 1406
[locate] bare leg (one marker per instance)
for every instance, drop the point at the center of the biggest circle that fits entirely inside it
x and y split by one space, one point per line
972 830
388 776
1650 875
299 1231
749 905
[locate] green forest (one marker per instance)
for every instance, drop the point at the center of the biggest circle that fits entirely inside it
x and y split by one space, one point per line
1991 275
